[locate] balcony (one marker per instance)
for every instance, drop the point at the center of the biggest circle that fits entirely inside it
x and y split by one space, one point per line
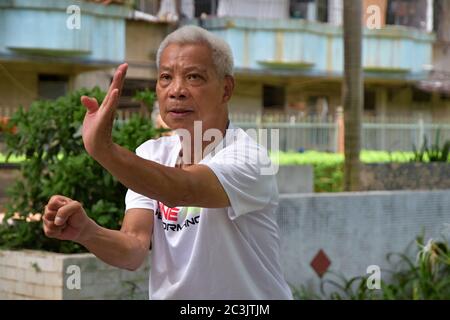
300 47
36 30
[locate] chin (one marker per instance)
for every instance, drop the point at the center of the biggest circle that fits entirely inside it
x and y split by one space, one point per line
175 124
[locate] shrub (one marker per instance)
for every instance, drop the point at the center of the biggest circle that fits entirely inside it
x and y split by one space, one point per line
49 137
434 152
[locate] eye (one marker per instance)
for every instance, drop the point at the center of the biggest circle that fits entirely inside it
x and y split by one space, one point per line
194 77
165 77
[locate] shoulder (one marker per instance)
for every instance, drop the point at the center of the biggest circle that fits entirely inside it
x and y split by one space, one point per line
241 149
239 143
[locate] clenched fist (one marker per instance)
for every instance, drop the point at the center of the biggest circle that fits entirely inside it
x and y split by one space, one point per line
65 219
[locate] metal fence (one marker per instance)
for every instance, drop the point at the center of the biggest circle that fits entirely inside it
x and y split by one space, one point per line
297 132
314 133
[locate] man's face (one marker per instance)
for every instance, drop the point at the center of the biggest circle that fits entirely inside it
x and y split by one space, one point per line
189 88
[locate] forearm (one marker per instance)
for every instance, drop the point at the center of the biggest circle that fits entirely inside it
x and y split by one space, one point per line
168 185
114 247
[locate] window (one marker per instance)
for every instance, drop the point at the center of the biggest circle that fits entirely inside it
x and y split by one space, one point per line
147 6
313 10
369 100
208 7
420 95
302 9
273 97
52 86
322 10
410 13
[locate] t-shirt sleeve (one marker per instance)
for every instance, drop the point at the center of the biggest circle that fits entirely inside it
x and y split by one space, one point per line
243 176
134 200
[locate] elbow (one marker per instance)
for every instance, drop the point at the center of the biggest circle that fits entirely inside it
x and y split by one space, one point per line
136 256
134 265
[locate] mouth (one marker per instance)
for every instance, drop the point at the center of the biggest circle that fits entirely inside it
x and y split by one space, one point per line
180 112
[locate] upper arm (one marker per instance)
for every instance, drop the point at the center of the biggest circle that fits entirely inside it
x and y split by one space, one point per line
139 224
204 189
247 180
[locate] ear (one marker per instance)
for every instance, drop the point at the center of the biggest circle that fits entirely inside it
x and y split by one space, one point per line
228 83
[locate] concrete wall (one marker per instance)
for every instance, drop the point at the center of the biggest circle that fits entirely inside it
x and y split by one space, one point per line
355 230
295 179
404 176
247 97
17 87
19 82
30 274
142 43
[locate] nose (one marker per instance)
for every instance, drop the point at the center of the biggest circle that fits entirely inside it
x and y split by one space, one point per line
178 90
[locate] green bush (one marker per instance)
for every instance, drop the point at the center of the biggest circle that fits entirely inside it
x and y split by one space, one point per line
434 152
49 137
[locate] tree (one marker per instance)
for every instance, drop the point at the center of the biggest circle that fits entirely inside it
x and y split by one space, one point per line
352 93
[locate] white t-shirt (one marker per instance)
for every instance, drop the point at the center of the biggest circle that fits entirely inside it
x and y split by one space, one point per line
225 253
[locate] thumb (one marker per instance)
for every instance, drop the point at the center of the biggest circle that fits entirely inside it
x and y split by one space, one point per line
66 211
91 104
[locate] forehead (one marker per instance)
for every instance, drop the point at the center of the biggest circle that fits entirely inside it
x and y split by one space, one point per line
186 55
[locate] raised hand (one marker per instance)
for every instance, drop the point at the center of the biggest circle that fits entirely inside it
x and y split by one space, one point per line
65 219
98 121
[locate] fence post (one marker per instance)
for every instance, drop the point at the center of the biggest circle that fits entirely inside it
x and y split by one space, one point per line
339 130
421 132
259 120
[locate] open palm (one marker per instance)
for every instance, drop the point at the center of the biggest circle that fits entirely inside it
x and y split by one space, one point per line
98 121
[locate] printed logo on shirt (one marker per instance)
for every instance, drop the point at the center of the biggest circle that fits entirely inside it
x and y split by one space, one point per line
178 218
170 214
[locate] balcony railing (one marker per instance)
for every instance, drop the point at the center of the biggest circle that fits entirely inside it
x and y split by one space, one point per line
44 29
316 49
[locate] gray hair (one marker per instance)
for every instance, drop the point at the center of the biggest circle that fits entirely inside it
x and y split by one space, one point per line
221 52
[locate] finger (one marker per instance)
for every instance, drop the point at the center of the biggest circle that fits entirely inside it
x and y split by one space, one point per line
116 83
50 224
91 104
49 214
57 202
51 233
113 102
51 229
66 211
124 71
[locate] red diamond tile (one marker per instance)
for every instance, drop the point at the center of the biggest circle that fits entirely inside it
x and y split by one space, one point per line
320 263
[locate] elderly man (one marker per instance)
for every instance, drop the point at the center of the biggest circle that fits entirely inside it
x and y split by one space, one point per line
206 208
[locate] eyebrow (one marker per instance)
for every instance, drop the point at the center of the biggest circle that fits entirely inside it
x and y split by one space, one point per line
187 69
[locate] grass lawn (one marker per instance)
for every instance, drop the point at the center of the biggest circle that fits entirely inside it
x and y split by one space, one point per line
12 159
316 157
